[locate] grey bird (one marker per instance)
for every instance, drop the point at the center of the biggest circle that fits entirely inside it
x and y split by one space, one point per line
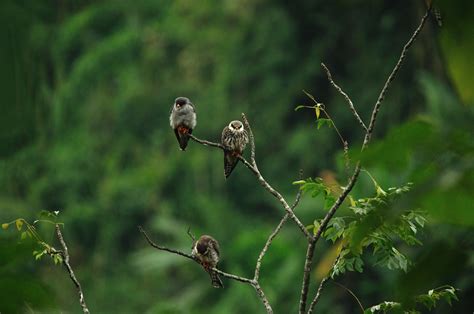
206 251
183 120
234 139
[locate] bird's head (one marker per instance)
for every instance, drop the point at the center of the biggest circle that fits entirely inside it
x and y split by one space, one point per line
181 102
236 126
202 247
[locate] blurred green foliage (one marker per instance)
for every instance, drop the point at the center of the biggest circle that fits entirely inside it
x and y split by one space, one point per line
87 88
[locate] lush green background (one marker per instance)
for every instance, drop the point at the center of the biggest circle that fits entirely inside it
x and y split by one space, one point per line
86 90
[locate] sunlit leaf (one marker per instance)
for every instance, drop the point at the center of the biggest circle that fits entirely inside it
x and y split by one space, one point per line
19 224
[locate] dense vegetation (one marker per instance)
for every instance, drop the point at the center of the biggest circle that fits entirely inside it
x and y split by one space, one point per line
87 88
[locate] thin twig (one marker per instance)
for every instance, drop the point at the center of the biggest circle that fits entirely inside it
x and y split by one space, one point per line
272 236
268 187
352 294
392 75
348 99
355 175
67 265
321 285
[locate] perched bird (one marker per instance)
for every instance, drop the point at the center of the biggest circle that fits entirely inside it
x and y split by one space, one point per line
206 251
234 139
183 120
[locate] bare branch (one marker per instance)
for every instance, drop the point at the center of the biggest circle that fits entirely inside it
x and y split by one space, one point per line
252 141
262 296
392 75
67 265
162 248
348 99
272 236
306 275
321 285
268 187
206 143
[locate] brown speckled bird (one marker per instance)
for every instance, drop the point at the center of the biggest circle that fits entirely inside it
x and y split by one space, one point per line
234 139
206 251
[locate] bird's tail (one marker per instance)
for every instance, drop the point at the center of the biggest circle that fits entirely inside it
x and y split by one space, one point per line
230 161
215 279
183 138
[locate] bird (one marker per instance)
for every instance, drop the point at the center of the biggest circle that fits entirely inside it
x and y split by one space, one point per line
183 120
206 251
234 139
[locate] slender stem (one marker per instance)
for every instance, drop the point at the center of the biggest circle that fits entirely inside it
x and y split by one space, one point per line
67 265
352 294
392 75
348 99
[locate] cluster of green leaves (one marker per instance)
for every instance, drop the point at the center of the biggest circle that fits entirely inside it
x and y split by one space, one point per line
369 227
374 227
428 300
28 230
316 187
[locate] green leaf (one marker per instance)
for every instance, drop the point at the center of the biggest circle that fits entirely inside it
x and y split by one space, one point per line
322 122
299 182
23 235
329 201
5 226
19 224
317 110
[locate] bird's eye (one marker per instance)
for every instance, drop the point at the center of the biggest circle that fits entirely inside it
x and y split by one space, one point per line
178 105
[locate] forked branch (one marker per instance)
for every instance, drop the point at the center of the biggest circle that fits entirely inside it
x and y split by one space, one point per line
354 177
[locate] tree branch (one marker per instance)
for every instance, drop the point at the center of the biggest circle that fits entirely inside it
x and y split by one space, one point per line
67 265
267 186
272 236
262 296
348 99
353 179
392 75
306 274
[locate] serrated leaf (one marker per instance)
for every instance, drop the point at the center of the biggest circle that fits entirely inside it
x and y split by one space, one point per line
5 226
19 224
